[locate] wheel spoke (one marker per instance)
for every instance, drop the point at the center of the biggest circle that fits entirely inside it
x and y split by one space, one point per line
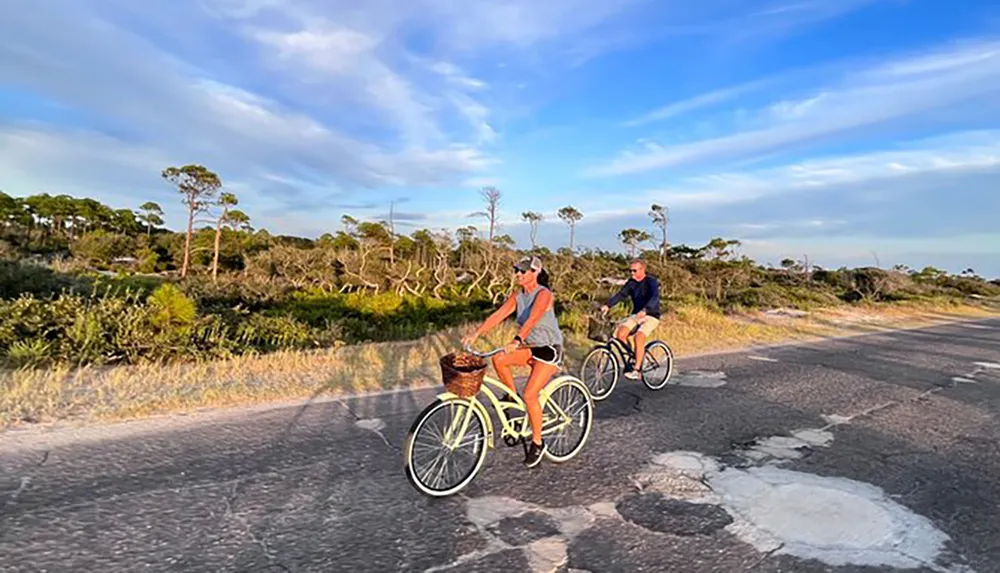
572 405
598 372
657 365
436 461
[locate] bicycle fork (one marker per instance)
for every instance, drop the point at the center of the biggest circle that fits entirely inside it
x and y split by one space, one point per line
458 427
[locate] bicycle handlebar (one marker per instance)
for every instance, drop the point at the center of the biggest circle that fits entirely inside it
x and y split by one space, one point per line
469 349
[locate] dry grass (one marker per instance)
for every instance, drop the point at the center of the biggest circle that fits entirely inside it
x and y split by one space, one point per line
136 391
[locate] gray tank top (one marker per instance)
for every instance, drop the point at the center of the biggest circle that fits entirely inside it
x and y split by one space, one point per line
546 331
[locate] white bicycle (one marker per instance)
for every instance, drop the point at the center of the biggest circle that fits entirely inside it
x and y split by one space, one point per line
447 443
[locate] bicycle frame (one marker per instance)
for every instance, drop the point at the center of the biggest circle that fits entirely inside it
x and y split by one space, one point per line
505 421
624 348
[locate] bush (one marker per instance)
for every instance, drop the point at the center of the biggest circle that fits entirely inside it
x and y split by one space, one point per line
387 316
101 247
90 317
72 328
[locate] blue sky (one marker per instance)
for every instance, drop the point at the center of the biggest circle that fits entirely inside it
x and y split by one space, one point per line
843 130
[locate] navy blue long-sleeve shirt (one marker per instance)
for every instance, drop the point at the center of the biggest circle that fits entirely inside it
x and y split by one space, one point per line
645 295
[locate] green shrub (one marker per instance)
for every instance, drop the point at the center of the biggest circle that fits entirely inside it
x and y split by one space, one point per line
171 308
18 278
100 247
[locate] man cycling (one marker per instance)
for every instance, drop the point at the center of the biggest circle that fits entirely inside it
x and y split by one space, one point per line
644 290
538 344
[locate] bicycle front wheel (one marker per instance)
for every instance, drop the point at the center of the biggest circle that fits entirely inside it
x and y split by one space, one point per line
569 397
657 365
441 458
600 372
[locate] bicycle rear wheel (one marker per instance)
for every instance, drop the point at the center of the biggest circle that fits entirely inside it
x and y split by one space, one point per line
435 464
657 365
571 397
600 372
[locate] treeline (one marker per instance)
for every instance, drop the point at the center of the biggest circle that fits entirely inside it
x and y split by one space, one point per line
87 283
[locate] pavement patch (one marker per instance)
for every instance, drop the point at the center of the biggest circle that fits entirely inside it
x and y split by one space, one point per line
524 529
836 521
508 524
656 512
374 425
836 419
793 447
699 379
22 485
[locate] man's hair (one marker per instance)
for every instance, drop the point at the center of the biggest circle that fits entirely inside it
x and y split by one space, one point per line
638 262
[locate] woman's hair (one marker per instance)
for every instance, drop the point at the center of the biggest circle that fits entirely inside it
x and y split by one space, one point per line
543 279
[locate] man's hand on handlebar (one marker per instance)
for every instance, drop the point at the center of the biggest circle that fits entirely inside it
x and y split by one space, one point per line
604 309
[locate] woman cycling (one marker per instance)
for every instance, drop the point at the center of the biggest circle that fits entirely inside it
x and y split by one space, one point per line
538 344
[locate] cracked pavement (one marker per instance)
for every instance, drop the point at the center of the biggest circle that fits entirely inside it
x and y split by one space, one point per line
320 487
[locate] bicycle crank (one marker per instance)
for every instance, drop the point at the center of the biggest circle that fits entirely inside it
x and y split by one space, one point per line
510 440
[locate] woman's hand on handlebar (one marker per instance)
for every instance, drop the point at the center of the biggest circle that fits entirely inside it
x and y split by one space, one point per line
511 346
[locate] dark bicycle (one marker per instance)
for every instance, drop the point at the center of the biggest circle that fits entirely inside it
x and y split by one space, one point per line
606 363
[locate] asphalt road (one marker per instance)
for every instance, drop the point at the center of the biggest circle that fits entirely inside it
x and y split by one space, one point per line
865 454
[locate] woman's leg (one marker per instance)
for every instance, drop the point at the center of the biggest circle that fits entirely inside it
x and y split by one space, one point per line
541 373
503 361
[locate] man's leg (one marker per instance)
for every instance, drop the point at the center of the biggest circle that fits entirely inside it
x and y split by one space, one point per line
646 328
625 328
640 351
622 332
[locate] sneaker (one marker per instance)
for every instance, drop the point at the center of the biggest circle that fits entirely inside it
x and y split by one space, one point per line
633 375
534 455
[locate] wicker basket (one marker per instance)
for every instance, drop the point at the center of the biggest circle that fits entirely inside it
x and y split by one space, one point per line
599 328
462 373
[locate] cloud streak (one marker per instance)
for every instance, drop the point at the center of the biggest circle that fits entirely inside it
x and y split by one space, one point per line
959 152
144 95
879 94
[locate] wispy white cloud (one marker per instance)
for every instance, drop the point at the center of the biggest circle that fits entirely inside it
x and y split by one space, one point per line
706 100
730 24
801 12
142 101
964 151
883 92
868 246
306 105
87 162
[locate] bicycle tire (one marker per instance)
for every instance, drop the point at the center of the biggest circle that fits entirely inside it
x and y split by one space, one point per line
478 424
670 365
588 410
597 351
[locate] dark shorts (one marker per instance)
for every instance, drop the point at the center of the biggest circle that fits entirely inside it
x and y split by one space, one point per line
548 354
